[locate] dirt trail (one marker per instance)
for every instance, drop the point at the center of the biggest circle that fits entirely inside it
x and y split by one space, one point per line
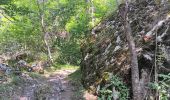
49 86
54 87
65 89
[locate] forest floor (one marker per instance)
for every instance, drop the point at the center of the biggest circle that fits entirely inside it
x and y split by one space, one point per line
63 84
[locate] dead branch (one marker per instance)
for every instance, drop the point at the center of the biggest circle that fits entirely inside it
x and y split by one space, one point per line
157 26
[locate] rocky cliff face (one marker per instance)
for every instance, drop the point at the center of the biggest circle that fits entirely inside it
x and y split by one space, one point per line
107 50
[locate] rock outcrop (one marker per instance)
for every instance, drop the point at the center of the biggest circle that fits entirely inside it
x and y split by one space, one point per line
107 50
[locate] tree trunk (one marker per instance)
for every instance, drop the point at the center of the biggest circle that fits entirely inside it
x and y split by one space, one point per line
49 51
134 61
45 34
92 13
45 39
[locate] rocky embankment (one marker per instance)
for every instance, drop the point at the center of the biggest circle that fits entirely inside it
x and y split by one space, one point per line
107 50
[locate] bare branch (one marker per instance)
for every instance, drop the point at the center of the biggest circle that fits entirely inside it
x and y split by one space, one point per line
157 26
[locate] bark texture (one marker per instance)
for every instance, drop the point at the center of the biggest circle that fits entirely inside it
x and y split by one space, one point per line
133 56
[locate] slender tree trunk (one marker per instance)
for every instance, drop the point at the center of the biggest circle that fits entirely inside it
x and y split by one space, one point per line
92 16
49 51
90 12
134 61
134 64
45 39
45 34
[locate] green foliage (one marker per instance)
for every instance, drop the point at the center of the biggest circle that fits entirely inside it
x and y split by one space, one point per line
162 86
20 27
4 2
64 66
113 82
69 53
76 76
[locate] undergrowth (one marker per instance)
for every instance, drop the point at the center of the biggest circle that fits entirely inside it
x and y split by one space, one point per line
58 66
162 86
113 88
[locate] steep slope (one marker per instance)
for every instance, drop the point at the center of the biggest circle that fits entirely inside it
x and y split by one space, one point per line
107 50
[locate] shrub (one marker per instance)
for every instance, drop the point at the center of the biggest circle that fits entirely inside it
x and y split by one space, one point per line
114 88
